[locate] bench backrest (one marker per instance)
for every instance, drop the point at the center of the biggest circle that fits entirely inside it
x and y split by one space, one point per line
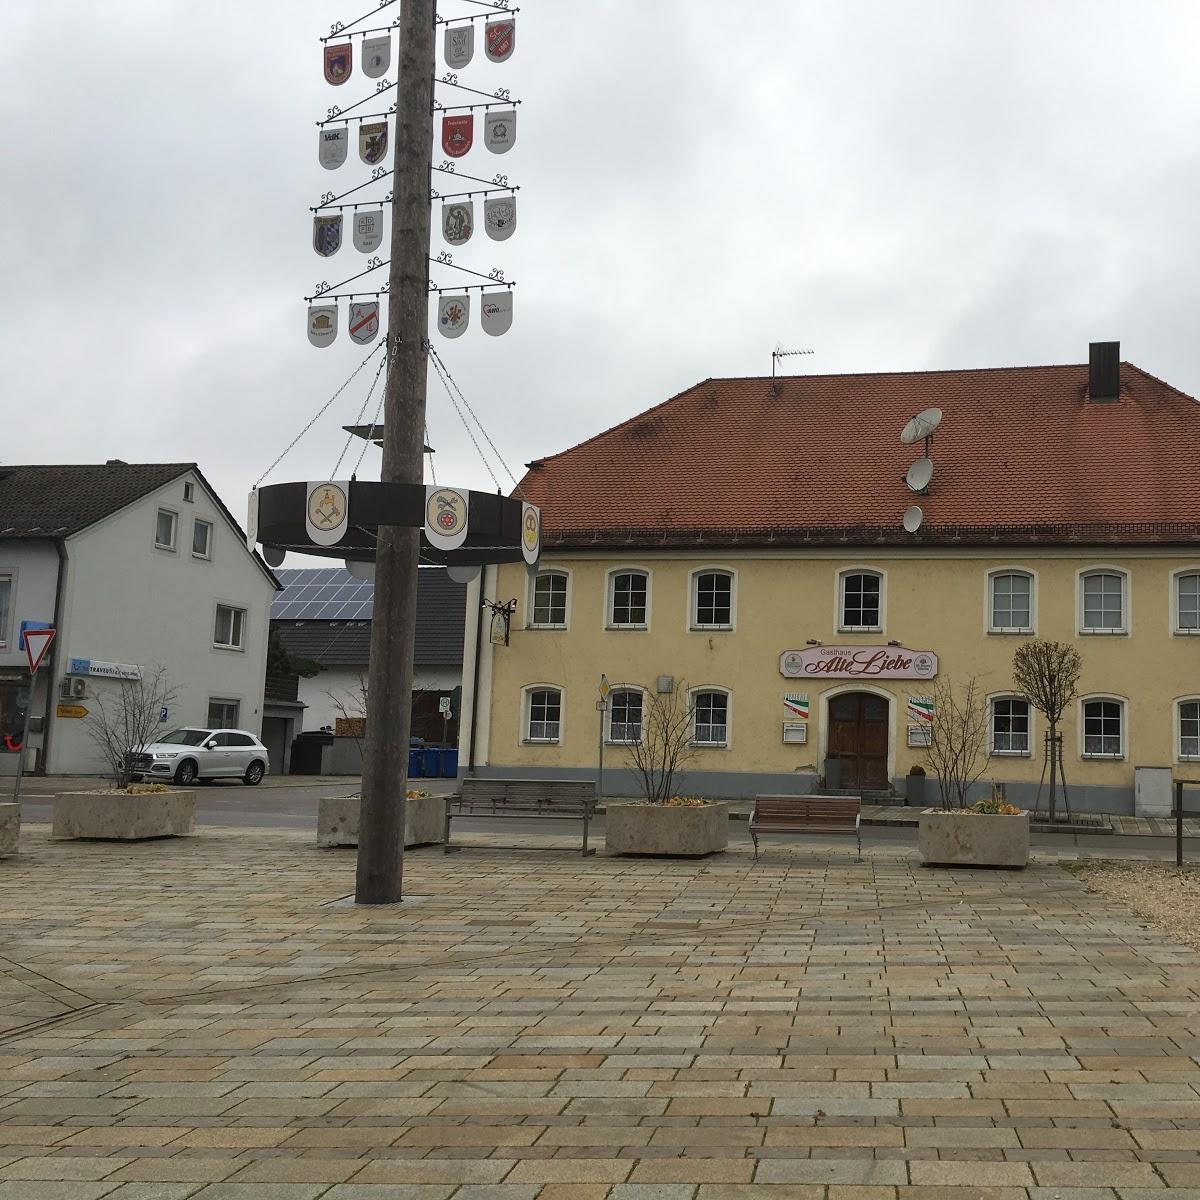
830 811
577 794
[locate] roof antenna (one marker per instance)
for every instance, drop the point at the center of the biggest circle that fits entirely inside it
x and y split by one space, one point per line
779 352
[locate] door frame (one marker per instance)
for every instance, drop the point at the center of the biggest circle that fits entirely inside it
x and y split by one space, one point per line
853 686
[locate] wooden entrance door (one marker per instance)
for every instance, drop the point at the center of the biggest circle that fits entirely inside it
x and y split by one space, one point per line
858 734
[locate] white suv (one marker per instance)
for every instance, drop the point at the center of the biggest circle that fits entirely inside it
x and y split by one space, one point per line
185 755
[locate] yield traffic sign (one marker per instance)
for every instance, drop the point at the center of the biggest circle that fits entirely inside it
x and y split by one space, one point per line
37 642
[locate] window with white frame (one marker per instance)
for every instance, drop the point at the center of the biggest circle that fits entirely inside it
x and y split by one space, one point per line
1103 603
1011 602
164 529
1010 725
189 492
223 714
202 538
1189 729
710 720
1187 602
1103 729
6 585
550 600
860 601
712 600
544 715
627 600
625 716
229 632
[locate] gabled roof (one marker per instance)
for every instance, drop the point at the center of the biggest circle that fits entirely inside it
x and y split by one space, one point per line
327 636
1021 455
58 500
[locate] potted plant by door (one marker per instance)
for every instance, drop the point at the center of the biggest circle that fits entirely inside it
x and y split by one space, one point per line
663 822
914 786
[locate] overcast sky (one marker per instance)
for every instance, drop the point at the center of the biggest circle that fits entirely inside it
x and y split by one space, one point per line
897 185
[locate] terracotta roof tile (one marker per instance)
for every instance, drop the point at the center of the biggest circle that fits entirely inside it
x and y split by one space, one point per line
1021 454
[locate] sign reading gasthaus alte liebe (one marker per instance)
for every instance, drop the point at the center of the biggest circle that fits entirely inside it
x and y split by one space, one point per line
858 662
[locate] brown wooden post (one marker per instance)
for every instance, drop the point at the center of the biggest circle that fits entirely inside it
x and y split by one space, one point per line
1179 822
380 872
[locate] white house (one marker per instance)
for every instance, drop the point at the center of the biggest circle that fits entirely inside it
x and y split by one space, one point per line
136 566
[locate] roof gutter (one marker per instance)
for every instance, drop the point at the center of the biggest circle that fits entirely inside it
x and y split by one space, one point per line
60 547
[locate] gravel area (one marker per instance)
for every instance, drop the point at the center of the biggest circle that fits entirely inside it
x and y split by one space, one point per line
1163 894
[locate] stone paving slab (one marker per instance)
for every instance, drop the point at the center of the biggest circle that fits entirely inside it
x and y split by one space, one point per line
193 1020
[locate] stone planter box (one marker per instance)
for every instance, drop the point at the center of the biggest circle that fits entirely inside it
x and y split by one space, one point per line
10 828
657 829
424 821
124 818
950 839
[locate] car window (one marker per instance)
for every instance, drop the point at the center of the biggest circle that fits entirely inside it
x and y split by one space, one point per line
219 740
239 739
184 737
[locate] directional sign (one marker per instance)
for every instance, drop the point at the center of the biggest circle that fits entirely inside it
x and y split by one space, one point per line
37 642
70 710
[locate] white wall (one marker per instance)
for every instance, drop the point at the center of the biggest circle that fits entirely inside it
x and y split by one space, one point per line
126 601
343 683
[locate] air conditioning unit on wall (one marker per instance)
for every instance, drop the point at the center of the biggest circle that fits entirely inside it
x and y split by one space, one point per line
73 687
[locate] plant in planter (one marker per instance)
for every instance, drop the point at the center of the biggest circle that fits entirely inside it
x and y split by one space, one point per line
988 833
958 738
663 822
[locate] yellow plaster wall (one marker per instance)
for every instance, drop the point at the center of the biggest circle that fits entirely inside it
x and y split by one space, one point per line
935 601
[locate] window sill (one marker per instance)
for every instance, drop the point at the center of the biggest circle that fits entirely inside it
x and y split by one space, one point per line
625 628
711 628
202 557
860 629
1186 632
220 646
622 742
1103 757
1104 633
167 549
1012 632
545 628
1010 754
709 745
539 742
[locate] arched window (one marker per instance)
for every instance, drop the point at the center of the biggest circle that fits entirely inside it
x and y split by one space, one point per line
1103 602
1103 727
1189 730
860 601
625 715
712 599
1187 602
543 714
628 593
710 718
1010 602
1010 725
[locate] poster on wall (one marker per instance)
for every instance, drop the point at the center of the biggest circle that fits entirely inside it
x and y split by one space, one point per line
795 706
919 713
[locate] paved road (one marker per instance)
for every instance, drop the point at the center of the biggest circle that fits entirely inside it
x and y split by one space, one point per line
281 806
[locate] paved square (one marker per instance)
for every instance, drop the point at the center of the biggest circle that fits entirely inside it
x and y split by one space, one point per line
193 1019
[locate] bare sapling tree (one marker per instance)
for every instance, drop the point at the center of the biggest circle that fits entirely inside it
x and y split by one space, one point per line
1047 673
123 719
957 748
665 743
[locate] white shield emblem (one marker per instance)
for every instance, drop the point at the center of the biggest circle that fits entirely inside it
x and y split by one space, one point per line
332 146
458 221
363 325
326 512
531 532
372 142
376 55
500 130
327 235
368 230
495 312
446 517
500 217
459 45
454 313
498 39
322 323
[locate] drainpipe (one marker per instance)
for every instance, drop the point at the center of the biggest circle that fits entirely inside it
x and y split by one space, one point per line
61 547
475 672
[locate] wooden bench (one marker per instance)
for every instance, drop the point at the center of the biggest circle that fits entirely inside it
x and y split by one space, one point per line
806 814
553 799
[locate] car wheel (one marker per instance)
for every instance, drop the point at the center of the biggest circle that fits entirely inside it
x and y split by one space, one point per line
185 773
254 774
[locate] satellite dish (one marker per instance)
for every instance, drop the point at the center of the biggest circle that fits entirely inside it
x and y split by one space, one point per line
361 570
913 516
273 556
463 573
919 475
921 426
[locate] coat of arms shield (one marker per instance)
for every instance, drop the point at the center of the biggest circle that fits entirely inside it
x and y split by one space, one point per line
458 133
376 55
458 221
327 235
372 142
454 313
332 145
495 312
500 217
322 323
459 46
368 230
339 62
363 325
498 37
500 130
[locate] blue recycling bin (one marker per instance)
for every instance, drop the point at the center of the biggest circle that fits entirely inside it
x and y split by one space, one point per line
416 763
450 763
432 762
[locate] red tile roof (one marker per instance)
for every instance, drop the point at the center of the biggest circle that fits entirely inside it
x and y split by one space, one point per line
1021 455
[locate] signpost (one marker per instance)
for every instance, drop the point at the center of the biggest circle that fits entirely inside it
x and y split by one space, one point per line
37 642
444 709
602 708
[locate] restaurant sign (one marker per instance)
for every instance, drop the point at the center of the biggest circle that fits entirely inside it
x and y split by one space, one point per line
858 662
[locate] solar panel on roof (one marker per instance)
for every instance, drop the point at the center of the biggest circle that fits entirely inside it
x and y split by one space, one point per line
322 593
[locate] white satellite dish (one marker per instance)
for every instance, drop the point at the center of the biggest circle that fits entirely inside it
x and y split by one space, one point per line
913 516
919 475
361 570
921 426
273 556
463 573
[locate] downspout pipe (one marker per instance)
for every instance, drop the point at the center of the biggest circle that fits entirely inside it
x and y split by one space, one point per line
60 547
475 673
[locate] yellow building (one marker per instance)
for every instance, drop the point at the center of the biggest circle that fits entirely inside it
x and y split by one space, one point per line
750 543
